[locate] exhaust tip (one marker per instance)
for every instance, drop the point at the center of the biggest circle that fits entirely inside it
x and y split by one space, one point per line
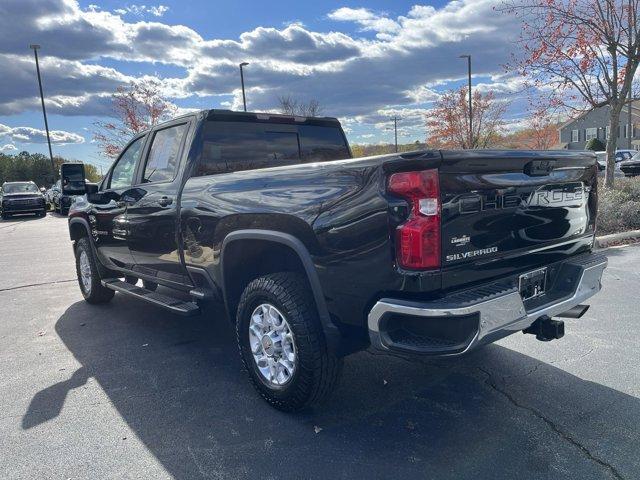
575 312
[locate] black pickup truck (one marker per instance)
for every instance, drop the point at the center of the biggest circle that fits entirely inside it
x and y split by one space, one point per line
317 255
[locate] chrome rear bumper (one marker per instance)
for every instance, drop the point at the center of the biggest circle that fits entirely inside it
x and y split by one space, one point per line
498 307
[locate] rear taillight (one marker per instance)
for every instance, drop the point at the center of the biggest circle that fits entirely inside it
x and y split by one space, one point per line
418 239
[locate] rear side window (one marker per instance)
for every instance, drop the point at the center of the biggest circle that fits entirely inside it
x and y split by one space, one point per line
236 146
163 159
122 173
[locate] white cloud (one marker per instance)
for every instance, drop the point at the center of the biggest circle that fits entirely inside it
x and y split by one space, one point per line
34 135
403 67
368 20
9 147
140 10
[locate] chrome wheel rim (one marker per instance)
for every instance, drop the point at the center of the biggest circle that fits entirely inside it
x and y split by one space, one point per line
85 272
272 345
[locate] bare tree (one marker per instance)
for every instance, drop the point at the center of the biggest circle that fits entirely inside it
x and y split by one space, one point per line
584 53
136 108
293 106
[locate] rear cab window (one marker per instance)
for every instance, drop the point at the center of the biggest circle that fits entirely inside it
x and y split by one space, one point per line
162 160
245 145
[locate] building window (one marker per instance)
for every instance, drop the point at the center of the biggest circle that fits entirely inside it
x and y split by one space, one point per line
575 136
591 133
607 132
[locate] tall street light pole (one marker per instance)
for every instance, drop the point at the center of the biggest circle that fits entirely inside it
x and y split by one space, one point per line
244 98
35 48
395 129
468 57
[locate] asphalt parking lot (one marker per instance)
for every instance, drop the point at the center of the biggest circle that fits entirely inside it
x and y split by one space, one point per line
126 390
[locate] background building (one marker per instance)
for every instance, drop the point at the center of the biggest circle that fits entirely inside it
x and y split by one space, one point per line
575 133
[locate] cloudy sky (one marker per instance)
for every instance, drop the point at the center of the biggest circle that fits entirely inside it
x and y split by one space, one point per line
364 61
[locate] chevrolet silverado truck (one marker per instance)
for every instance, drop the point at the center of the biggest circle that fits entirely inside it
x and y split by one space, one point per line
317 255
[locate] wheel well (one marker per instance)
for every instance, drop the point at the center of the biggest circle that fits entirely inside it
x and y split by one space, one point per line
77 230
246 260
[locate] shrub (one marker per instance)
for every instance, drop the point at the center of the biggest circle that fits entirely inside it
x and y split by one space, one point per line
595 145
619 208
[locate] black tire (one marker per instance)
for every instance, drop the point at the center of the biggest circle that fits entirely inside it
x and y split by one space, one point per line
96 292
152 286
43 213
5 216
317 369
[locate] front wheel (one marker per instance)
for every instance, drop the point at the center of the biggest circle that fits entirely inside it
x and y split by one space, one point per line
88 276
282 344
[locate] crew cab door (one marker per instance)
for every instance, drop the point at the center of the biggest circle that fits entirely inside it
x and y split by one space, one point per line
152 212
108 217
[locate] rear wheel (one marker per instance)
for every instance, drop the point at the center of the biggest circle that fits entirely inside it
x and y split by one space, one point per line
5 216
282 344
88 274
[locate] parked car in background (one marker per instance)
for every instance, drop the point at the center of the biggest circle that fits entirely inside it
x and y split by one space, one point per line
70 185
56 197
621 156
631 167
22 197
48 197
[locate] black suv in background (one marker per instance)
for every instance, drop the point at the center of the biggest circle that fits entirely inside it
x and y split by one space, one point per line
70 185
22 197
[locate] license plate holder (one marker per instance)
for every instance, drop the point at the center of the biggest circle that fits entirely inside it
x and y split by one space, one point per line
533 284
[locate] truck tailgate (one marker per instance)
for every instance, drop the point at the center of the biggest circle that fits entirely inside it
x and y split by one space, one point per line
501 210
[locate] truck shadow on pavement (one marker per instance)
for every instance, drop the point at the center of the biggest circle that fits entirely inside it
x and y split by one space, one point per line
179 385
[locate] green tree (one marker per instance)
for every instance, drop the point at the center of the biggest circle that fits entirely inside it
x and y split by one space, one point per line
595 145
37 168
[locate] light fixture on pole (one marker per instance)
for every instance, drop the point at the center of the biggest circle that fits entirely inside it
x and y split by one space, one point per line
468 57
35 48
244 98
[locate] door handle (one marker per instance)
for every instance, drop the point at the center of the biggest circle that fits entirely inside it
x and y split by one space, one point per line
165 201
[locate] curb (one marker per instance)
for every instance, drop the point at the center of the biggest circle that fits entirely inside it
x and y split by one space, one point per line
616 238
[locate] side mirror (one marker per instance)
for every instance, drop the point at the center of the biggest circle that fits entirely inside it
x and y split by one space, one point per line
72 179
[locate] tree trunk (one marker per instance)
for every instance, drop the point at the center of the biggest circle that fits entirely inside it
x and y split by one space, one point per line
612 142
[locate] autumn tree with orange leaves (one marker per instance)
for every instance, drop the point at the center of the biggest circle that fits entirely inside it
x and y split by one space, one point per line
539 132
581 53
448 122
136 108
